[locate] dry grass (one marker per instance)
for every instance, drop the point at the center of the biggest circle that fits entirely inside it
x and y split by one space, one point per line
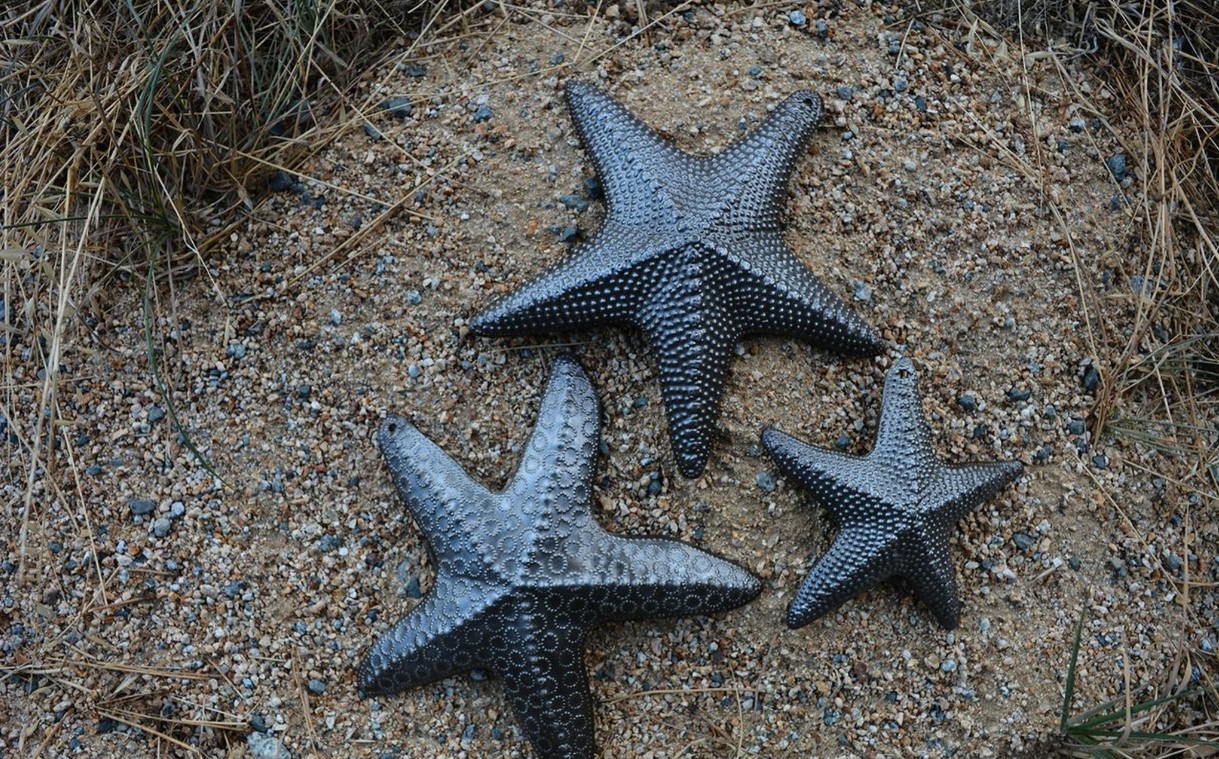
1159 368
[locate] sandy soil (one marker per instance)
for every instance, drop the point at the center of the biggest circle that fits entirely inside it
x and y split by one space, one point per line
958 196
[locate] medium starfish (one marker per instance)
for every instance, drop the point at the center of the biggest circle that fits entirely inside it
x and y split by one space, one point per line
523 575
895 507
691 254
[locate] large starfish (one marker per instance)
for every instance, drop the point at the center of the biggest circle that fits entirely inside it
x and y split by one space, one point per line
691 254
895 507
523 575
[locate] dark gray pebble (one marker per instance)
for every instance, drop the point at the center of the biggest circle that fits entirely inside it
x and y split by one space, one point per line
156 414
1023 541
140 506
968 403
1099 461
484 113
1019 394
1091 379
399 107
1076 426
574 202
1117 166
415 70
317 687
282 181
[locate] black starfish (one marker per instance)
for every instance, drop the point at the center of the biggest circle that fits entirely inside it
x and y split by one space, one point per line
523 575
690 253
895 507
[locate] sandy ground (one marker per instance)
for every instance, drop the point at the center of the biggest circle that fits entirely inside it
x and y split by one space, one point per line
958 198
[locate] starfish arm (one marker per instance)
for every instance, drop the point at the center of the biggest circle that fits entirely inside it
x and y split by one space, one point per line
556 470
445 635
629 157
856 561
778 295
933 579
845 485
445 502
638 578
764 160
964 487
902 435
542 669
692 337
600 283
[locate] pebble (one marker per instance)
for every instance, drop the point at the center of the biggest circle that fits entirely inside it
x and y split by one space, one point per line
413 297
797 18
483 113
1116 164
574 202
1091 379
1076 124
398 107
1019 394
264 746
156 414
140 506
414 70
282 181
765 481
968 403
161 526
317 687
1023 541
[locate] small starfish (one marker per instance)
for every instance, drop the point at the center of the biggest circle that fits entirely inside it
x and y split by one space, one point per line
895 507
523 575
690 253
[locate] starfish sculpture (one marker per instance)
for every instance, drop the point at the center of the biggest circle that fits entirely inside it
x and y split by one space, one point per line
691 254
523 575
895 507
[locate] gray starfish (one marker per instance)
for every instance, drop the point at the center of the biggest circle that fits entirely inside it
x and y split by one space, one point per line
523 575
691 254
895 507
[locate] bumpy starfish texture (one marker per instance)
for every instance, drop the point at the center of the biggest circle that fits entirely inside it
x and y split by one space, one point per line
523 575
895 507
690 253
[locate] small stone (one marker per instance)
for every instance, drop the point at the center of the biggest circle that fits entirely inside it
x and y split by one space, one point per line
1091 379
282 181
140 506
1019 394
842 442
968 403
1116 164
335 317
1074 563
93 470
1043 453
303 392
592 188
900 84
948 665
415 70
1023 541
398 107
484 113
765 481
567 233
413 297
156 414
317 687
236 350
844 92
265 746
797 18
259 723
161 526
1076 426
1076 124
823 29
574 202
557 59
372 132
862 292
1099 461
